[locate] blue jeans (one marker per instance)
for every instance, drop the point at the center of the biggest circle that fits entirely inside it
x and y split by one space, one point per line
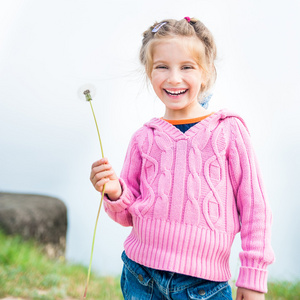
142 283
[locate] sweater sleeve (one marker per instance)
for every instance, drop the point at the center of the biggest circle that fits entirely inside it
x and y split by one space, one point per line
130 182
254 211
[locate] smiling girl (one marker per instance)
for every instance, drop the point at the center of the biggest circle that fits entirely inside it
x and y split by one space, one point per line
190 182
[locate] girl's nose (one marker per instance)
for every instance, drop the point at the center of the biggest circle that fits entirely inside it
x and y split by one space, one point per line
174 77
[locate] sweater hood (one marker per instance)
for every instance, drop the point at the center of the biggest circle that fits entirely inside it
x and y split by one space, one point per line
210 122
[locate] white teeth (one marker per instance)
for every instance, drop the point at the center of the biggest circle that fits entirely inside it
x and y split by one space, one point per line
176 92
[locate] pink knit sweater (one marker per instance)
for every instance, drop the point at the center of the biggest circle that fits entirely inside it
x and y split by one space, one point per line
188 194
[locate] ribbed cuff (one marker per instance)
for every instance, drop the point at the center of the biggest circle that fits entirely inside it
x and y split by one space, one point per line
122 203
253 279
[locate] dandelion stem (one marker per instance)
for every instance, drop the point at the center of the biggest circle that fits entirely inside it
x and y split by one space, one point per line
102 195
102 153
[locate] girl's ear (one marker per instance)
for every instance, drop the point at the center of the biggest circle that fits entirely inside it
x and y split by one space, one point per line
202 88
204 80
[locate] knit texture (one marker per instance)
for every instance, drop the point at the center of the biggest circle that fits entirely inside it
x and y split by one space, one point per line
188 194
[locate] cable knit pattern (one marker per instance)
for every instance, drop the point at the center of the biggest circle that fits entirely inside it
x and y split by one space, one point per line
186 195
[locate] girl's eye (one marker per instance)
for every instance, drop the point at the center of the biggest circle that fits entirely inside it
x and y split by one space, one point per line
187 67
161 67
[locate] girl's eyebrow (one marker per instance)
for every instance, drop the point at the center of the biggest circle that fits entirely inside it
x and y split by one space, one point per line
189 62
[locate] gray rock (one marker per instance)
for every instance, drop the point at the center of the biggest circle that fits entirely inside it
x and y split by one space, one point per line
41 218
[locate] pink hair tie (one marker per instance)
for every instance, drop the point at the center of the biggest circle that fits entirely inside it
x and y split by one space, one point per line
188 19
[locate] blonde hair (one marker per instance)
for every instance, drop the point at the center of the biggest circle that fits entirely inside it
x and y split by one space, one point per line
204 52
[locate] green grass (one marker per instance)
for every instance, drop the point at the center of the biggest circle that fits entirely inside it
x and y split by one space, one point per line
284 291
25 272
280 291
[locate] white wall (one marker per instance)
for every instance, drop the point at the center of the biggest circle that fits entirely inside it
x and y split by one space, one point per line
47 135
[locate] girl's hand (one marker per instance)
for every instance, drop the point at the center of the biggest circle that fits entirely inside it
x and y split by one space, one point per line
103 173
245 294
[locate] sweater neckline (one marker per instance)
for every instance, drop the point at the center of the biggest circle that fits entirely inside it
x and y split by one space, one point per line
188 121
176 133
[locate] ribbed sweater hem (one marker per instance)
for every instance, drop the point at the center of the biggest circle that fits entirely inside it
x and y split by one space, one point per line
181 248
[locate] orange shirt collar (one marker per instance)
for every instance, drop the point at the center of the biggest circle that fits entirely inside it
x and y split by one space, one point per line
187 121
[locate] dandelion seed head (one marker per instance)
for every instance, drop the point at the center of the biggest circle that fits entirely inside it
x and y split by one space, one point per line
86 92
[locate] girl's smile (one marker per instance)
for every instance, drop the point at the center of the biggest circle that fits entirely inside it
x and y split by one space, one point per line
176 78
174 93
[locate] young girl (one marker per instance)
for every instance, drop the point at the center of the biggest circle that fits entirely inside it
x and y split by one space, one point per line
189 184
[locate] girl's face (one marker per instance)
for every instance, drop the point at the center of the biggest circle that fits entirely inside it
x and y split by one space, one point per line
176 78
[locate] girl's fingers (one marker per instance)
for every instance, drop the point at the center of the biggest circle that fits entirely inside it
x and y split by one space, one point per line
100 169
100 162
101 175
99 184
